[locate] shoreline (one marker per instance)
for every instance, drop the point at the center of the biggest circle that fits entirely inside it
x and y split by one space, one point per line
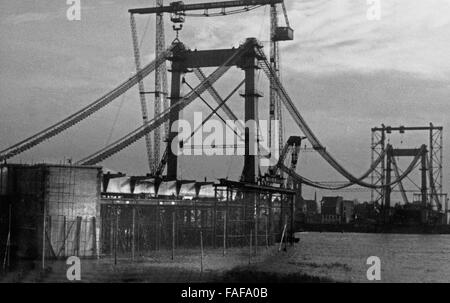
158 267
376 229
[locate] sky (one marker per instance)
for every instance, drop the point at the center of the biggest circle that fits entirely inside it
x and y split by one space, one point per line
345 73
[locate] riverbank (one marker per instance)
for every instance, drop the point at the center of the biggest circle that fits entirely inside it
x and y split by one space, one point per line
377 228
237 265
317 257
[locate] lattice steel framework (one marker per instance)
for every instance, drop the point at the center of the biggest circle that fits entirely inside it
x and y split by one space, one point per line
434 165
275 110
436 161
160 85
145 118
378 147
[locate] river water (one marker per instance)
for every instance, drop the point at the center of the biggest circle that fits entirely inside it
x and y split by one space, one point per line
343 256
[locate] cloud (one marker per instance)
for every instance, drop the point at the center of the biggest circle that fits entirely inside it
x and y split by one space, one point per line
335 36
26 18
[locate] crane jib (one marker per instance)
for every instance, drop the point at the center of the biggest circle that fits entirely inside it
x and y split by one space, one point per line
179 6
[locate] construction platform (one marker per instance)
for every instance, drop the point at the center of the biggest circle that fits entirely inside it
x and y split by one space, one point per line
56 211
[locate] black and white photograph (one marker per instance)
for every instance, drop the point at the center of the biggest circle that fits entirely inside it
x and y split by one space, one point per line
212 144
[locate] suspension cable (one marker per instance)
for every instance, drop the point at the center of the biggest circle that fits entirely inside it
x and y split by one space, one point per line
212 109
83 113
138 133
318 185
293 111
400 184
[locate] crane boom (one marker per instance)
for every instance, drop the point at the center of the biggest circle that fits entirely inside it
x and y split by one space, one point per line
137 60
286 20
161 99
296 143
179 6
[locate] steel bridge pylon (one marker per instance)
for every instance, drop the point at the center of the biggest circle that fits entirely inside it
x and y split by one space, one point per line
184 60
434 161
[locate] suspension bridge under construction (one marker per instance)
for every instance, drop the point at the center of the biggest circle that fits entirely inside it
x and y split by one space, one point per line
52 211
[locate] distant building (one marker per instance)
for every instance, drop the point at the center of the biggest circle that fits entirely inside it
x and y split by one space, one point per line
365 212
330 210
308 207
336 210
348 211
307 211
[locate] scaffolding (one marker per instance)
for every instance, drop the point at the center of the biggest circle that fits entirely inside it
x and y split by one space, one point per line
132 225
52 212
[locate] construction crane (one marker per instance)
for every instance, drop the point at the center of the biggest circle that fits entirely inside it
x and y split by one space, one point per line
277 34
161 90
178 10
137 60
296 143
293 145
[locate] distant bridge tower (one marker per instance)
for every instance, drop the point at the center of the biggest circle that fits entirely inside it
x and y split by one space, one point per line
433 165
